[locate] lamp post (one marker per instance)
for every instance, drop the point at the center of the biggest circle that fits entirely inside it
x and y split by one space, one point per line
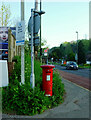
40 30
40 13
32 77
77 47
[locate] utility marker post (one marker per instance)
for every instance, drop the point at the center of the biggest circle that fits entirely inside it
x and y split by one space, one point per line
32 78
22 47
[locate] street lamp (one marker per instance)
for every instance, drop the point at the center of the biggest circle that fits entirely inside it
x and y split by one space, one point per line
40 13
77 47
32 77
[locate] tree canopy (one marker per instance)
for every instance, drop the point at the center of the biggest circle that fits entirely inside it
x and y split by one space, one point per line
68 51
5 15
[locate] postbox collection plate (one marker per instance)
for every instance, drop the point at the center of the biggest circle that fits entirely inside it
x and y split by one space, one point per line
48 77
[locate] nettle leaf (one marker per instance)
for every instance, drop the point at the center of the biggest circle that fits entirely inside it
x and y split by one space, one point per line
22 99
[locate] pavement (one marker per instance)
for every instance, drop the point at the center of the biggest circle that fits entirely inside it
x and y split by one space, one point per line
76 105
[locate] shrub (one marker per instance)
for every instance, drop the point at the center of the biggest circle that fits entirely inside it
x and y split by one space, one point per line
22 99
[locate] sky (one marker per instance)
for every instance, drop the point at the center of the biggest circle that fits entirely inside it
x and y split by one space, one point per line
61 19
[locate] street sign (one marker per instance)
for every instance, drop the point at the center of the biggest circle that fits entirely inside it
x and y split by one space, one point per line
20 33
36 24
45 50
35 41
45 53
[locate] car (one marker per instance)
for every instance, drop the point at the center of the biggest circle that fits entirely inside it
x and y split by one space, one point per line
5 55
71 65
0 54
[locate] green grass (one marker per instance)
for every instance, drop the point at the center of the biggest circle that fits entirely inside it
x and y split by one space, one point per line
84 66
21 99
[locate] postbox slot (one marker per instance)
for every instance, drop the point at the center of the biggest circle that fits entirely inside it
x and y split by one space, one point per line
48 72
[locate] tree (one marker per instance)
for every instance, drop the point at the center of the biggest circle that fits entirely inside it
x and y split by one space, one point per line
68 49
71 57
90 44
81 53
5 15
54 53
62 49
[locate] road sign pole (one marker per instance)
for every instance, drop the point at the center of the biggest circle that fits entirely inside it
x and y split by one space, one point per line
32 78
22 47
40 35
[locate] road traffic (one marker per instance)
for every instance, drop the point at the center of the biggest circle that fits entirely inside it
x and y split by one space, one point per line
81 77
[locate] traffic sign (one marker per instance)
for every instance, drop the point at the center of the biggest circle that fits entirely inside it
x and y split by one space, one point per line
45 54
36 24
35 41
20 33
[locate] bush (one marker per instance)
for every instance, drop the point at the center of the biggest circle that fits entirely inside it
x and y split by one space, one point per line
21 98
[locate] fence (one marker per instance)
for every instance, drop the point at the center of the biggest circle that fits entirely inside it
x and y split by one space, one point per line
13 50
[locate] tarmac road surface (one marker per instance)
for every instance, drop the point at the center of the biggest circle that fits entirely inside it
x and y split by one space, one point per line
81 72
81 77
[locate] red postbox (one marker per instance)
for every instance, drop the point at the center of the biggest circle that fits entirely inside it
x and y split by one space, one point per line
47 77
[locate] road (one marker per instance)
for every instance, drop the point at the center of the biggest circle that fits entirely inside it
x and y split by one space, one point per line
81 77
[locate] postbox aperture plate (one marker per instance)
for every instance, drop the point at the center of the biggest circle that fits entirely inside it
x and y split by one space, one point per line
48 77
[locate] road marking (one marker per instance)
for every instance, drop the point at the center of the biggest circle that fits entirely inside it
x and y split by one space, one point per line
76 84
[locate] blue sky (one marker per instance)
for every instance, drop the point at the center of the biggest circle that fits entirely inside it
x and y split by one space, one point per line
60 22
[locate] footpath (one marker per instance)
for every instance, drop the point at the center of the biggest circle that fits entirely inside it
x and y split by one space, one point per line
76 105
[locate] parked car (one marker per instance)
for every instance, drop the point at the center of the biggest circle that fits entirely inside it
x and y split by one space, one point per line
5 55
0 54
71 65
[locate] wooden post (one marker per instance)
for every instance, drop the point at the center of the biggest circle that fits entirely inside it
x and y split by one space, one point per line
9 46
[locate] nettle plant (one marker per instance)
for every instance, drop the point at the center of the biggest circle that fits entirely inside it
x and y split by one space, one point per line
21 99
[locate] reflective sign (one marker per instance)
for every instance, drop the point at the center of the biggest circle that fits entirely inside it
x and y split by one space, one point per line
20 33
36 24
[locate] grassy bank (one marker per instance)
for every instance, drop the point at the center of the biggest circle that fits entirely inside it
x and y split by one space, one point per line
20 99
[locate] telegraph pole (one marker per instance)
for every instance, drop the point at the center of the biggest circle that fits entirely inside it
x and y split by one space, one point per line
22 46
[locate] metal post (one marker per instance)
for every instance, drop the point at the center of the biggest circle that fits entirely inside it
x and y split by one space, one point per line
36 4
77 46
36 8
32 78
40 34
22 47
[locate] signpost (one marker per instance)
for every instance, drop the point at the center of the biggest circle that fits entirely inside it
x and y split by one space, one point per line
20 33
46 54
36 24
37 42
20 38
33 28
32 78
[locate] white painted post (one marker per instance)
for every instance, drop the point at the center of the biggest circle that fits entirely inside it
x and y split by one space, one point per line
22 47
32 78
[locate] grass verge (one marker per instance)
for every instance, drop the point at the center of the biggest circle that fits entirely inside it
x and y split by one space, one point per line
21 100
